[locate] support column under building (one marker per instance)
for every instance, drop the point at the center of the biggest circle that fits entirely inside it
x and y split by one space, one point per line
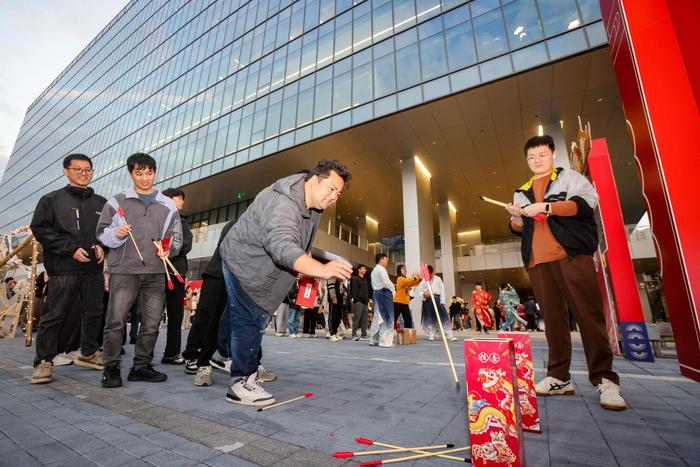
448 242
417 221
367 232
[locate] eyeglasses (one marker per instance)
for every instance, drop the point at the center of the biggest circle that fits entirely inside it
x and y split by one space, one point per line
81 171
542 155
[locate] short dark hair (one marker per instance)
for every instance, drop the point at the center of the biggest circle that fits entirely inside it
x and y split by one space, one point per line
174 192
360 266
536 141
75 157
378 257
398 269
477 283
430 269
324 168
504 286
140 160
8 279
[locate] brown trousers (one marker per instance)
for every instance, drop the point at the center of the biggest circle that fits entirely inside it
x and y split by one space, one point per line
571 284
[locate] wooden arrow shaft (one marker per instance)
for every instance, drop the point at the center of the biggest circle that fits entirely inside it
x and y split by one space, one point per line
442 456
397 450
427 454
282 403
442 333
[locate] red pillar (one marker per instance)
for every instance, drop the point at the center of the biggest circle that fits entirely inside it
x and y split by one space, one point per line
616 254
653 45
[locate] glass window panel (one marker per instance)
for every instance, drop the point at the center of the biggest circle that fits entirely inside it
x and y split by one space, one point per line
325 50
460 46
404 15
410 97
406 38
305 107
559 15
567 44
342 92
361 84
382 23
407 66
323 101
530 57
490 35
289 112
308 57
496 68
384 106
427 9
311 15
430 28
438 88
432 55
596 34
273 120
343 35
297 23
362 27
522 23
590 10
327 10
384 76
293 61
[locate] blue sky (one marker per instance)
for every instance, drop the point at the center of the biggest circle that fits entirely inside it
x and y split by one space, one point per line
38 39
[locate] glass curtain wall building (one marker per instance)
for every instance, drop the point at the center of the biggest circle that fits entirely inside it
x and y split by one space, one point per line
207 85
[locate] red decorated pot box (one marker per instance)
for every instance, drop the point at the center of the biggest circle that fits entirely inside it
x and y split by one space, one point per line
526 380
495 429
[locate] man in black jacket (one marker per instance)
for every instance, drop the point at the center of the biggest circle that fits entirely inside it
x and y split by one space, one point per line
64 223
175 299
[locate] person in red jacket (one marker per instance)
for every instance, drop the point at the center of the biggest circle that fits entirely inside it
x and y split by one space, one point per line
480 301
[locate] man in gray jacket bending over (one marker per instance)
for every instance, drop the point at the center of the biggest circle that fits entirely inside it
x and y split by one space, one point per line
262 254
130 219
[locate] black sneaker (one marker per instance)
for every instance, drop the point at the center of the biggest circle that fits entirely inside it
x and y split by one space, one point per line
176 360
111 377
147 374
191 367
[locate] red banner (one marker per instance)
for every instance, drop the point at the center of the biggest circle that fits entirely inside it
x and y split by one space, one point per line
649 51
526 380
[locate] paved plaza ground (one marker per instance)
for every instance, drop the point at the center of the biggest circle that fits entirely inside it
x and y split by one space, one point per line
400 396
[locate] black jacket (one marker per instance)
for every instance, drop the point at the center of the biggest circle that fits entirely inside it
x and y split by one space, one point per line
578 234
65 220
214 265
359 289
180 261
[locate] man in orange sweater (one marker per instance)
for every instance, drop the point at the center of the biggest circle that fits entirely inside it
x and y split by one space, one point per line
553 213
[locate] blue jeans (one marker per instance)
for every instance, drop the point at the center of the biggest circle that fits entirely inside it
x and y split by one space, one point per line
294 322
247 321
223 343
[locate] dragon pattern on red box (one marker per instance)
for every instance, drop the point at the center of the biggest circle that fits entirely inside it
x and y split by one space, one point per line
526 380
494 414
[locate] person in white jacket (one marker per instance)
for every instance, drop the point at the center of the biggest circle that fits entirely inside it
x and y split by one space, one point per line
428 317
382 331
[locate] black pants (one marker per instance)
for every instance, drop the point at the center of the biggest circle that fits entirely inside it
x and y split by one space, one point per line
204 333
175 307
401 309
531 322
335 316
310 315
73 306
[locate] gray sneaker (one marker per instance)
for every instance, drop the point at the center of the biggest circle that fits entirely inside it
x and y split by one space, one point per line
93 361
203 376
265 376
42 373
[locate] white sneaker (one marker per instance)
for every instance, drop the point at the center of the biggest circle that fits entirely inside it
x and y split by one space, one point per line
550 386
247 391
203 376
279 334
62 359
610 397
336 337
293 336
452 338
219 363
265 376
431 338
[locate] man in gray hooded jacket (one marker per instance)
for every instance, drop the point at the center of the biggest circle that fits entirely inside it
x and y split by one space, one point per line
263 253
